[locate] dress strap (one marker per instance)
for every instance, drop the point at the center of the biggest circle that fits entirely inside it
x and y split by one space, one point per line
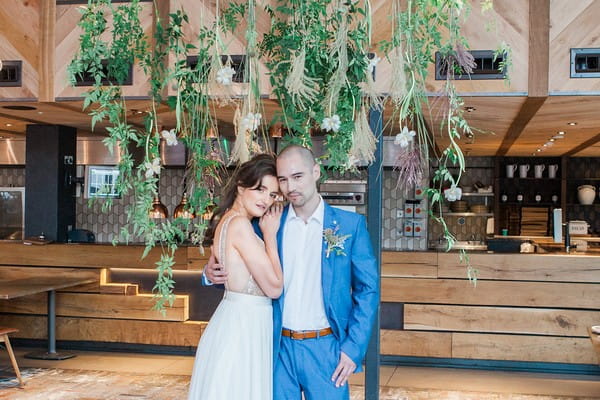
222 238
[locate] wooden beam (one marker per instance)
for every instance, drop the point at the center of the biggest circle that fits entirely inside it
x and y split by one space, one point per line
539 47
530 107
539 56
420 344
47 50
583 146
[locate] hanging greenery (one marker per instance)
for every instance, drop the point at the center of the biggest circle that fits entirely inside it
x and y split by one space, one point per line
317 53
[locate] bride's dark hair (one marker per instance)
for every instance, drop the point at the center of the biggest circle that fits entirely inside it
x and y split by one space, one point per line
247 175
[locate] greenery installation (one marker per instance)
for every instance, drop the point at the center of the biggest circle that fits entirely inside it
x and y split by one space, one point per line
317 53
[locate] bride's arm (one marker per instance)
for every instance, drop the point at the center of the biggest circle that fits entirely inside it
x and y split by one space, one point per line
262 261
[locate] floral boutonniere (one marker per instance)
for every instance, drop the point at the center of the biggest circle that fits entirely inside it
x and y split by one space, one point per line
334 241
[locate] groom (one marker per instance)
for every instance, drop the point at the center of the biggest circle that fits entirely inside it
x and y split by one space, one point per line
322 322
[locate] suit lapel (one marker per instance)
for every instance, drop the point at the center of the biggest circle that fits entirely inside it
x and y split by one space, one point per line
280 248
327 263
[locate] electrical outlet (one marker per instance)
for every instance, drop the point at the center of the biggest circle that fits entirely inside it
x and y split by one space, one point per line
399 213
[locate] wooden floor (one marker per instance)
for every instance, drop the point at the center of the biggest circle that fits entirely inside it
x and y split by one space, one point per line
103 375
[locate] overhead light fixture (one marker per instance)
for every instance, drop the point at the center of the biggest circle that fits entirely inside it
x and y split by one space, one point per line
538 150
158 209
181 211
558 137
561 132
276 130
211 133
470 109
552 139
571 123
549 144
8 124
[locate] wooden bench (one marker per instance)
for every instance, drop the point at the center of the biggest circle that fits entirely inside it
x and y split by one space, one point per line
4 338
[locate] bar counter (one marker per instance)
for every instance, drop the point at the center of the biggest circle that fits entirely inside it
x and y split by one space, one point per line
523 307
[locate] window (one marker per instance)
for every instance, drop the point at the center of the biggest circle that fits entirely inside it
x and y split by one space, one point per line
585 63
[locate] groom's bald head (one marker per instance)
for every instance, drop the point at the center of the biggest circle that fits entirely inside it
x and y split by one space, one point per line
305 154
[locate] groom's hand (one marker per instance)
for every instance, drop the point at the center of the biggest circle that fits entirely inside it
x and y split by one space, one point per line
214 272
343 371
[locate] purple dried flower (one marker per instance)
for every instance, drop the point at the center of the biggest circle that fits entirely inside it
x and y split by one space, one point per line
410 169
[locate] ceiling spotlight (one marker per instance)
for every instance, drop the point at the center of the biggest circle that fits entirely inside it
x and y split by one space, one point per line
40 112
545 144
561 132
552 139
539 150
549 144
558 137
571 123
8 124
470 109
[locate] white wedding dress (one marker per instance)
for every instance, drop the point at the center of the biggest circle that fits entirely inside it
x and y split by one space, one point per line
234 360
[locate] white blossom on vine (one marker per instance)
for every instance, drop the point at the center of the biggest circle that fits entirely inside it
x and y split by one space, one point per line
251 122
453 193
152 168
170 137
331 124
225 75
404 137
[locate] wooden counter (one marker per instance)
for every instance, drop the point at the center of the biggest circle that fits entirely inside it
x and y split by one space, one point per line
101 311
523 307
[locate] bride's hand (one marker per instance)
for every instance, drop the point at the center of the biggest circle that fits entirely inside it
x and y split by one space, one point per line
269 222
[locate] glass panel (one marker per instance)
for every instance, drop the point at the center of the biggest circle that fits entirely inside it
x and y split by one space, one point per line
12 209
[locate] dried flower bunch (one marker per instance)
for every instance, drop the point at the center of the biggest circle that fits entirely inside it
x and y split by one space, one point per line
317 53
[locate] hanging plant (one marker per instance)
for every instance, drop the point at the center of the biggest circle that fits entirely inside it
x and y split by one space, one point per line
125 44
316 53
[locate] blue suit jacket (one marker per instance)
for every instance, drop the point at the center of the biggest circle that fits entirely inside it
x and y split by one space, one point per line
350 285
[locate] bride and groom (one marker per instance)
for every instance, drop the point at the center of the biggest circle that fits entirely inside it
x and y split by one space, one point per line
299 299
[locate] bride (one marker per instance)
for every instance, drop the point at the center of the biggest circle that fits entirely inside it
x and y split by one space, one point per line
234 357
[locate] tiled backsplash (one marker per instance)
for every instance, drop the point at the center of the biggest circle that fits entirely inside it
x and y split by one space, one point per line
106 225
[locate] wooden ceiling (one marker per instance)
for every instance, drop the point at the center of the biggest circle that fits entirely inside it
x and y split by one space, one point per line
513 120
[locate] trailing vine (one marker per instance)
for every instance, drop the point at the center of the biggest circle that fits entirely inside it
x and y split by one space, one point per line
317 55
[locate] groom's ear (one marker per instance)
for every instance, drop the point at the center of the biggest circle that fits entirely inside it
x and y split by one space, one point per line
316 172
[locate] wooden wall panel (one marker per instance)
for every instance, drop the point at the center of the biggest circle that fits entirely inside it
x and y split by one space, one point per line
100 306
421 265
67 44
523 348
16 272
547 267
423 344
85 256
19 40
197 260
505 293
536 321
572 24
108 330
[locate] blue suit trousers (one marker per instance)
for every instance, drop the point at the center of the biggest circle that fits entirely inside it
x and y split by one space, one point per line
307 366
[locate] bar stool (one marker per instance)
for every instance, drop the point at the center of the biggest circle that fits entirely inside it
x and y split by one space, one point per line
4 338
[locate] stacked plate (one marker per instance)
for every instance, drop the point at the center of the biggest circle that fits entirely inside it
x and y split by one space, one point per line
459 206
479 208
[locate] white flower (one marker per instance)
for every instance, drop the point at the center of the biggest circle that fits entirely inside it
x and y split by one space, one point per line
251 122
331 123
453 193
152 168
372 63
404 137
170 137
225 75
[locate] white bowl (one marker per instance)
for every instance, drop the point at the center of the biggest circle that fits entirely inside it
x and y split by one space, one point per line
596 329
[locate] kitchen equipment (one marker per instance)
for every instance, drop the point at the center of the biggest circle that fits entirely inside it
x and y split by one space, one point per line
344 192
81 236
578 227
552 170
510 170
504 245
523 170
538 170
586 194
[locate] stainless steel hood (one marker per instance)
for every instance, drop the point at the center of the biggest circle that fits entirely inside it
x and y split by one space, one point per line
91 151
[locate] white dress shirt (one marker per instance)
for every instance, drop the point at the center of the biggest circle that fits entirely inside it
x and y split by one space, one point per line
303 307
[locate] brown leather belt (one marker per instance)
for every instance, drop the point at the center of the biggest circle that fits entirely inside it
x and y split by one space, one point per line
301 335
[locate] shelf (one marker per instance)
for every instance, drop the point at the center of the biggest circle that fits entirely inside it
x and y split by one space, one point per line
475 194
467 214
527 204
516 178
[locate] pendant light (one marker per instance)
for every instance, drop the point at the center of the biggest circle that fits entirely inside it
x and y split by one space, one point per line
158 210
181 211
